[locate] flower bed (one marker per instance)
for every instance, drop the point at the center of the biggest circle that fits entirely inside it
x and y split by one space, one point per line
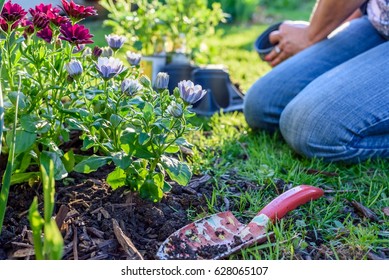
55 90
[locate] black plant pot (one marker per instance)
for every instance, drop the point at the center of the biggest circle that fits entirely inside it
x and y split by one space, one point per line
262 45
221 95
177 73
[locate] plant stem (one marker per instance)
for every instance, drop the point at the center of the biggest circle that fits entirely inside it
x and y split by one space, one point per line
1 113
8 170
10 72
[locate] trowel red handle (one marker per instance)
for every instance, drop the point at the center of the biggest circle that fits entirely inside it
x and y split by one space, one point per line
290 200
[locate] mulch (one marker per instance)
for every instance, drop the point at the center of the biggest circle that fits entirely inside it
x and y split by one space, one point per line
98 223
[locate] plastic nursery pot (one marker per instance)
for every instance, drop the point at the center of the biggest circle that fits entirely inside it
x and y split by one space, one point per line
262 45
221 93
152 65
178 72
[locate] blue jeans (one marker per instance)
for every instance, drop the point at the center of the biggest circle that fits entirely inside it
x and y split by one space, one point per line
331 100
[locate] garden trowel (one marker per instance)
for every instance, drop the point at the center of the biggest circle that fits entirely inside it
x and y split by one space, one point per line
219 235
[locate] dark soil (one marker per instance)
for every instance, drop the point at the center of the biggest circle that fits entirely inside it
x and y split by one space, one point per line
90 207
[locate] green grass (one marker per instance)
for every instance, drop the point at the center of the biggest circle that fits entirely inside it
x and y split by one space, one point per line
226 148
233 154
236 157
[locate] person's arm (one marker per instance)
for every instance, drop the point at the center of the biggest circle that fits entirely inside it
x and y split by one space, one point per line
326 17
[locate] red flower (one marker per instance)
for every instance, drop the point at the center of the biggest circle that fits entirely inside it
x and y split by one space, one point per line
40 20
45 34
58 20
3 24
28 27
12 13
75 34
42 14
42 8
77 12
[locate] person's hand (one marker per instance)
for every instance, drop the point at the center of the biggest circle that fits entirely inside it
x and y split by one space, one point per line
291 38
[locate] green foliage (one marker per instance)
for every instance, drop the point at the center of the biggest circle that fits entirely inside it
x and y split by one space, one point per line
52 245
285 4
50 89
239 11
157 26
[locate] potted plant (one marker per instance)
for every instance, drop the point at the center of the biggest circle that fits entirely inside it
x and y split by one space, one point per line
177 27
139 21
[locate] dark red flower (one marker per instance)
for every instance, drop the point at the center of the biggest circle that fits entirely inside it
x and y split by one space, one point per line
75 34
42 8
45 34
77 12
12 13
40 20
3 24
58 20
28 27
96 52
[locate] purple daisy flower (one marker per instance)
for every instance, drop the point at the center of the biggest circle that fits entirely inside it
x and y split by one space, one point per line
130 86
109 67
133 58
114 41
189 92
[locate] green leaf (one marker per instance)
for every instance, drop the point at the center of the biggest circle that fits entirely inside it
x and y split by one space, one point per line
115 120
36 223
166 187
51 145
91 164
22 162
19 178
177 171
117 178
144 138
122 160
48 182
65 134
172 149
53 241
13 97
148 111
151 191
69 160
60 171
130 144
33 124
24 140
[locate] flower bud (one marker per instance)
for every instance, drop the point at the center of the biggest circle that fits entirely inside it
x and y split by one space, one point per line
96 52
162 81
74 68
144 80
175 109
106 52
130 87
133 58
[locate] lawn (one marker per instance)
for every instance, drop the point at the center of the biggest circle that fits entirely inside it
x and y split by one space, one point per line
248 169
